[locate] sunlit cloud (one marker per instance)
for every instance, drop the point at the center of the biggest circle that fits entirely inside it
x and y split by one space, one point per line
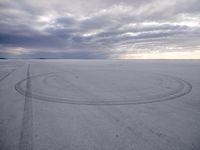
162 55
106 28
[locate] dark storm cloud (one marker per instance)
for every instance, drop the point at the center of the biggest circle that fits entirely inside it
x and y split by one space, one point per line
57 55
97 29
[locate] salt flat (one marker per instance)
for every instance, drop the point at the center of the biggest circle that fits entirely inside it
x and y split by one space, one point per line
99 105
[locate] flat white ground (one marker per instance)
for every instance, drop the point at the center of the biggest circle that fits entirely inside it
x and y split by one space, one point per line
99 105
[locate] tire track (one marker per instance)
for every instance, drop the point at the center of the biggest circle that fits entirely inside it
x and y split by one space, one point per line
7 75
26 137
183 89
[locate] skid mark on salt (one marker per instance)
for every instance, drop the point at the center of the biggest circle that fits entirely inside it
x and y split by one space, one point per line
26 137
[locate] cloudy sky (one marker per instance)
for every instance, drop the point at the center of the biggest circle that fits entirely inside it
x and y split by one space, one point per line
100 29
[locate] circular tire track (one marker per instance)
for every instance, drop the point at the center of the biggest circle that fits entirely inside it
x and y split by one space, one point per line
182 89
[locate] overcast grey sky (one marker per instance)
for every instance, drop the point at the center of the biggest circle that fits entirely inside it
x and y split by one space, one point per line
99 28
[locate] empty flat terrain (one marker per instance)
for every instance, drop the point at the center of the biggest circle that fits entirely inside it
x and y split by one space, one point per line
99 105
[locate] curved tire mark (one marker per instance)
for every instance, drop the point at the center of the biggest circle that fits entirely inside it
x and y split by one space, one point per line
185 88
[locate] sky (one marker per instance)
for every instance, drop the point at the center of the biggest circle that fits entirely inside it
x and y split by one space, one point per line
100 29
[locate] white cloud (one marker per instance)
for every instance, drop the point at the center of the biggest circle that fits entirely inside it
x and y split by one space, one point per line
111 27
